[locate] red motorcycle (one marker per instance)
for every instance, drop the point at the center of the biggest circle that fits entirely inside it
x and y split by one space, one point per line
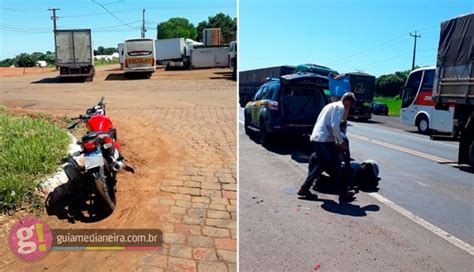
102 158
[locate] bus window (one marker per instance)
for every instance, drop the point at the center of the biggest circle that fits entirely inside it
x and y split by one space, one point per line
428 80
411 89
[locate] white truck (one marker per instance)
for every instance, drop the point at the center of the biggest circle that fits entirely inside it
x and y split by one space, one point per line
174 52
74 55
209 57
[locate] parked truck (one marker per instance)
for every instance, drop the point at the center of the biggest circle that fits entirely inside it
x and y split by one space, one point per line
454 80
251 80
209 57
74 55
361 84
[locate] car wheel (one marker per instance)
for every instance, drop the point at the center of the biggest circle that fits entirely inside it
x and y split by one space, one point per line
264 139
423 124
246 125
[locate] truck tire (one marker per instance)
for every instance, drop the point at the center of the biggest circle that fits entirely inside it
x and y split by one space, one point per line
471 154
423 124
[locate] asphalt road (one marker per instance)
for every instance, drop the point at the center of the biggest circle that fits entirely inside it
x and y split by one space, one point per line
278 231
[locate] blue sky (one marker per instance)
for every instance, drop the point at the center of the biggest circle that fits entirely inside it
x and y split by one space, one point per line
25 26
346 35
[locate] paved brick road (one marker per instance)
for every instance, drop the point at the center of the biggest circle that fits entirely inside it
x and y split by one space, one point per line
179 129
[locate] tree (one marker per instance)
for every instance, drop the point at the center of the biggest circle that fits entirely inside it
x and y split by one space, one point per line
391 84
176 28
25 60
220 20
7 62
200 27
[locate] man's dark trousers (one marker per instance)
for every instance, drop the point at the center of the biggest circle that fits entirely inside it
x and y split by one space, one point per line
325 158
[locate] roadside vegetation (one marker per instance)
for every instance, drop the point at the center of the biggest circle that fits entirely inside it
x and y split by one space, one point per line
393 103
30 149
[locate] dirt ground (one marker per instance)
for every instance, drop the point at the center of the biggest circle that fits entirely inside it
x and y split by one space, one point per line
18 71
178 129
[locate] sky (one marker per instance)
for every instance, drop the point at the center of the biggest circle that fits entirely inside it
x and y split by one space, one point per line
26 26
346 35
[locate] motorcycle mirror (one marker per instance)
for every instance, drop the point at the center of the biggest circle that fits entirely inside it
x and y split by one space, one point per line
101 100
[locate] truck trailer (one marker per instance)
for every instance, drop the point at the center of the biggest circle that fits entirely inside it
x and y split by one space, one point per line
361 84
454 80
74 55
251 80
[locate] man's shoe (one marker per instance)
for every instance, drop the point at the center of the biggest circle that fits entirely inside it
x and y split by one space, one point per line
304 192
346 197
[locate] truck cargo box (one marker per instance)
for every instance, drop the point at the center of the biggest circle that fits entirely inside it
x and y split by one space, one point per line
74 55
251 80
207 57
454 80
170 49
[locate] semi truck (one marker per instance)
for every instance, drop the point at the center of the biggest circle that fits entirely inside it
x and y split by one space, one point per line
74 55
361 84
454 81
251 80
209 57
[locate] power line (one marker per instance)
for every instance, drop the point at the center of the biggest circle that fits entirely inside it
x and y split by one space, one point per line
22 10
108 11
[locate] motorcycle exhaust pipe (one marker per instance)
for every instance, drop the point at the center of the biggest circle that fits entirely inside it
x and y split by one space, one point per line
118 165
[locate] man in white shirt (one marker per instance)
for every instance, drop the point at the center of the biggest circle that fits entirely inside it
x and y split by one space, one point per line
328 142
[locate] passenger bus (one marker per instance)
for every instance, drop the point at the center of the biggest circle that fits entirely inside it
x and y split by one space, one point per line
417 107
139 56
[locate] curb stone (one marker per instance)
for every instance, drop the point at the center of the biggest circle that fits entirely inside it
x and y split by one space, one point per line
60 177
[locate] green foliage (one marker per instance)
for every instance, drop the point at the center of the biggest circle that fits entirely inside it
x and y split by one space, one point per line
7 62
391 84
30 148
394 104
182 28
25 60
220 20
176 28
105 51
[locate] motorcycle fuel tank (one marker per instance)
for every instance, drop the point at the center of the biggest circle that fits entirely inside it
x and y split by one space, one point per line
99 123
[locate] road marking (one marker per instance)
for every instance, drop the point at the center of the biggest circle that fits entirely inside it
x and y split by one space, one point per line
402 149
427 225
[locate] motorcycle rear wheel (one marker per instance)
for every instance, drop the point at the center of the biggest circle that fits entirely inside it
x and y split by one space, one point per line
107 192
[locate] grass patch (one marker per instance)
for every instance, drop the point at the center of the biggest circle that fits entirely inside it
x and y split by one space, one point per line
393 103
105 62
30 149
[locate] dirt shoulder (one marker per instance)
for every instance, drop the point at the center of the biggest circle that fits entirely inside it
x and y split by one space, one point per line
179 130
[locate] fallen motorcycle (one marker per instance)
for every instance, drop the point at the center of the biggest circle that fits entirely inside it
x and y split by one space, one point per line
101 153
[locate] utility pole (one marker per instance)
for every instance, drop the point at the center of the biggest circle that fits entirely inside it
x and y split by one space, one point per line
143 24
414 49
54 18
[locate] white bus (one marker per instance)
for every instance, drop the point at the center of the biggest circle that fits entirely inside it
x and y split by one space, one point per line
417 107
139 56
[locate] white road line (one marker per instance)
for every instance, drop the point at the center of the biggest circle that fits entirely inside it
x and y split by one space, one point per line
402 149
427 225
418 220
